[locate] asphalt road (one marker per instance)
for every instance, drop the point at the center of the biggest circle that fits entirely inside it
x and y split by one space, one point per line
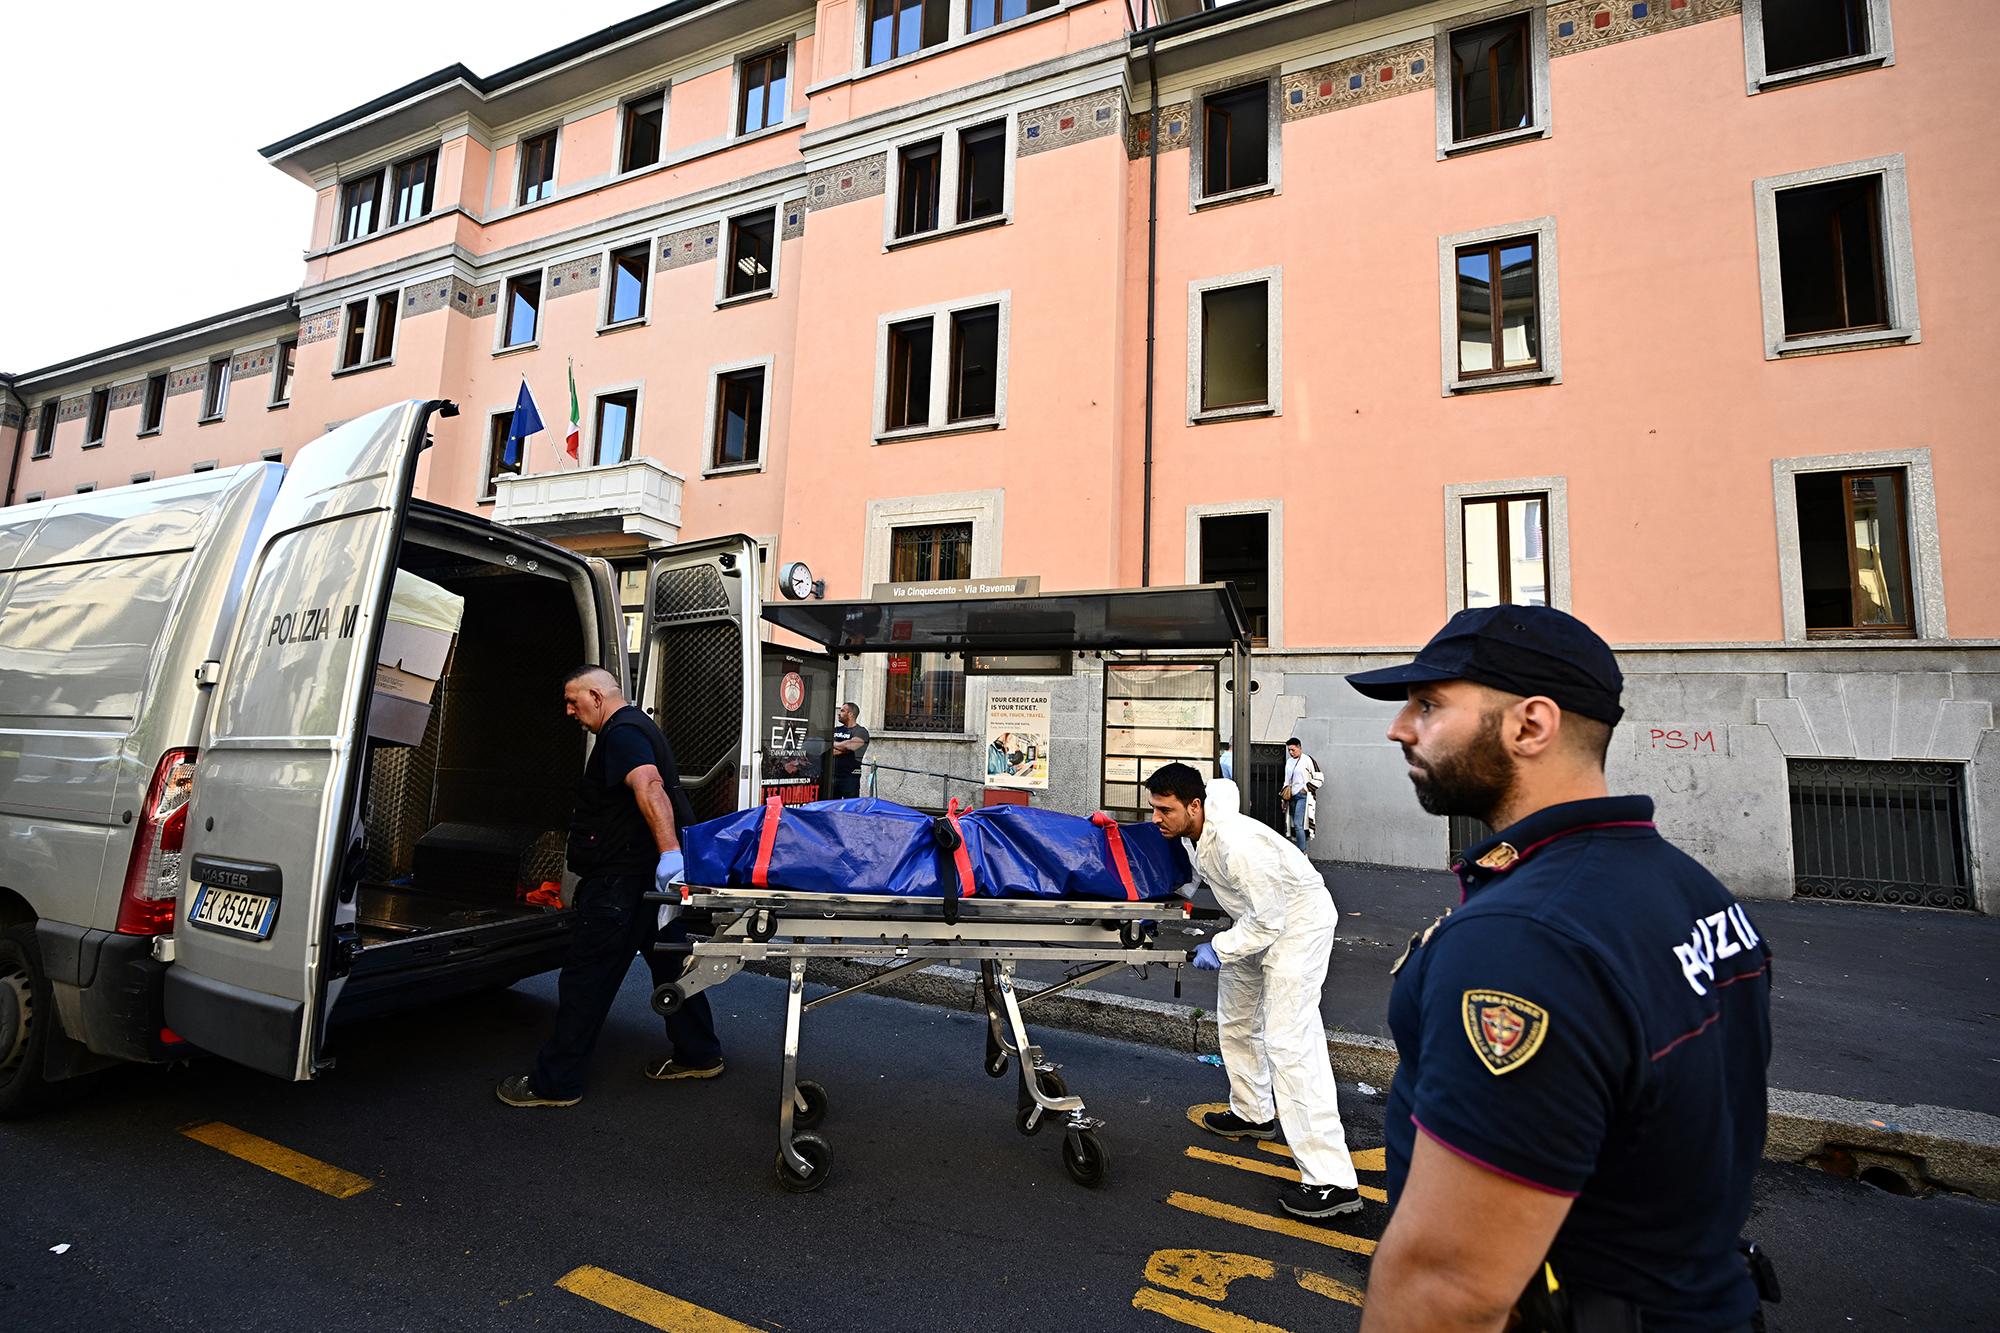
937 1215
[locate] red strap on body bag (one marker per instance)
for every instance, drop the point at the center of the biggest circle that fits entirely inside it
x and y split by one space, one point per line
961 857
760 874
1116 837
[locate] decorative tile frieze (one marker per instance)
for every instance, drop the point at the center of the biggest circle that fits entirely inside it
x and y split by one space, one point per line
128 395
1584 25
693 246
10 417
1180 129
425 297
312 328
187 381
480 301
794 221
1070 122
73 409
863 178
579 275
249 365
1358 79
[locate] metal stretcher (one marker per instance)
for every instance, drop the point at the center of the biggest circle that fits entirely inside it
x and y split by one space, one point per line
752 924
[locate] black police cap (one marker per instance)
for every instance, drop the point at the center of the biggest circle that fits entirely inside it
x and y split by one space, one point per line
1525 650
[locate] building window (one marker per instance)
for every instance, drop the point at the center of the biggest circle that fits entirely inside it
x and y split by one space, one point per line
1506 550
1236 548
973 391
416 184
643 122
761 102
86 488
1491 74
903 27
909 374
385 326
1235 355
153 412
205 465
750 253
1854 554
617 421
1797 41
354 346
917 193
1497 291
982 171
627 298
983 14
140 478
1874 832
524 308
215 395
32 497
100 412
45 429
360 207
282 370
1236 139
538 167
739 418
1834 258
927 690
942 367
271 456
498 427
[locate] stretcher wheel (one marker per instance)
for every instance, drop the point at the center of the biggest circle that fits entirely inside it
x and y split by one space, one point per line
667 1000
1086 1158
816 1102
1051 1086
813 1148
996 1065
763 924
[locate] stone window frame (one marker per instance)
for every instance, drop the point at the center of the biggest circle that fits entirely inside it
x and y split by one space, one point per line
1556 523
34 497
214 400
1274 174
608 282
1542 125
1274 552
46 413
1274 350
1881 51
374 302
587 428
501 347
775 204
1899 261
84 488
793 117
986 511
278 377
100 397
271 456
140 478
663 90
768 364
956 36
515 202
950 163
1925 556
1548 308
938 312
487 448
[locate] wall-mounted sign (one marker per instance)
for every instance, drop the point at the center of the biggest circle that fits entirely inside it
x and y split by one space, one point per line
1017 740
958 590
1018 664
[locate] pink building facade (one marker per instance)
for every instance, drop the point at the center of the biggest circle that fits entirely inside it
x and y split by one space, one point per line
1644 310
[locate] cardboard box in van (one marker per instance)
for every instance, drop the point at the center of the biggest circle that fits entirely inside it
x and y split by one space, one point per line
416 644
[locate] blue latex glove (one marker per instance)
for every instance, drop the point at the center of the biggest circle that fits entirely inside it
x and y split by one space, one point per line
1205 959
669 869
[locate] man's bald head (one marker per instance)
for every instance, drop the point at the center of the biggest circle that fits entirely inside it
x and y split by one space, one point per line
591 694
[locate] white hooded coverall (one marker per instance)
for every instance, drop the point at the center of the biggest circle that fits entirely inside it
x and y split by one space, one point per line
1274 961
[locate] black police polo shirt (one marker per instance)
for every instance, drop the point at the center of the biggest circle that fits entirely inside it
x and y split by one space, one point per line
1594 1021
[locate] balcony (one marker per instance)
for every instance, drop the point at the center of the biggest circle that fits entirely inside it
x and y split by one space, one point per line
641 498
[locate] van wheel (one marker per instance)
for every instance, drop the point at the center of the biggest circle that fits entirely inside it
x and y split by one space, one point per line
27 1013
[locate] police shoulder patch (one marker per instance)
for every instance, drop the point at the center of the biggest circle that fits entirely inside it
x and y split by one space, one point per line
1505 1030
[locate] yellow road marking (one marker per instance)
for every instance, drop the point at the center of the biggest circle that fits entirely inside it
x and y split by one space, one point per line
1327 1286
1204 1273
274 1157
1266 1169
1283 1226
1368 1159
1195 1113
646 1305
1184 1311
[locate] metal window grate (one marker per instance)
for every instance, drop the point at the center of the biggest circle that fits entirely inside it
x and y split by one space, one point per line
1871 832
1267 775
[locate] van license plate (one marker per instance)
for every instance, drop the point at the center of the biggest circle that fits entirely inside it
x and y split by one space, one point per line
232 913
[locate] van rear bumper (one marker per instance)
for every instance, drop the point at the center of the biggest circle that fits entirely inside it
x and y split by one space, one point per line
120 1003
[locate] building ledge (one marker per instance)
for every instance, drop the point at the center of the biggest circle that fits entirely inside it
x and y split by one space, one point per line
641 498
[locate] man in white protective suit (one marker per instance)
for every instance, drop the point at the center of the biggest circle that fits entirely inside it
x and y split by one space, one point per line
1270 965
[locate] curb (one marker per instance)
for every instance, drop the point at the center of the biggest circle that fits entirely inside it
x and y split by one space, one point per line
1921 1145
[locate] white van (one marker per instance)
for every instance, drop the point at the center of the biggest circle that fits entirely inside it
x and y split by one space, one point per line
202 847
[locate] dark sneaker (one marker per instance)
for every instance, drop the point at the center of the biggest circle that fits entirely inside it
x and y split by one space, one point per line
1319 1200
516 1091
671 1069
1233 1126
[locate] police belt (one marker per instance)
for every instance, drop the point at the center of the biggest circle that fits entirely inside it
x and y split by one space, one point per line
1550 1305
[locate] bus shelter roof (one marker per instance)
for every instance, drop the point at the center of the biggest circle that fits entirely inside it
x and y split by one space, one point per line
1204 615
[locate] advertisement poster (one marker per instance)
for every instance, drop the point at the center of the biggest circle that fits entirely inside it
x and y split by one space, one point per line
1017 740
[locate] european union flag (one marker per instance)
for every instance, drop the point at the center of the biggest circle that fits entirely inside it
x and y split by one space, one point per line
527 421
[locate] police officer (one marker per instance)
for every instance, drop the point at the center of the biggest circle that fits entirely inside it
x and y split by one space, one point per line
1579 1111
624 840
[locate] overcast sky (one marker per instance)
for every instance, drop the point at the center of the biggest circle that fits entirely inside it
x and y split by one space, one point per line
135 197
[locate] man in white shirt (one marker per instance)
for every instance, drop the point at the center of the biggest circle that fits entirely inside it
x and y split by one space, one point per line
1270 965
1302 779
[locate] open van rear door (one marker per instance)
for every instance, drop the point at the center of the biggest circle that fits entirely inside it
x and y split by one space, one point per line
700 672
272 840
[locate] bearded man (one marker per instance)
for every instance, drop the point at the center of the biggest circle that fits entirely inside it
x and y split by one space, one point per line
1579 1109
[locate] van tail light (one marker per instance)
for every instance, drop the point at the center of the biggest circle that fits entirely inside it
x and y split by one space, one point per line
153 877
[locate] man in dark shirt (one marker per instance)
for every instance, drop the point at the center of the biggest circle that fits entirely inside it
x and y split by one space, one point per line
1579 1109
850 742
624 840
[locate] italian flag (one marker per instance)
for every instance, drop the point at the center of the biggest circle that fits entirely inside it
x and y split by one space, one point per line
575 417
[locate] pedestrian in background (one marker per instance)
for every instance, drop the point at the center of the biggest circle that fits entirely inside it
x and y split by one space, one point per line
850 742
1579 1110
1228 762
1301 792
1270 965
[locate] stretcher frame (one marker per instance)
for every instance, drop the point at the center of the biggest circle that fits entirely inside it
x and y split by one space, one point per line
759 924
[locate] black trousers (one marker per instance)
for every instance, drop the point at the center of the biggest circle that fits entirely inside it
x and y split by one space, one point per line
611 926
846 786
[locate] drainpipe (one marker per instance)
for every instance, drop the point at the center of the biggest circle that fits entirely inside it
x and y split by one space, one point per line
1152 282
